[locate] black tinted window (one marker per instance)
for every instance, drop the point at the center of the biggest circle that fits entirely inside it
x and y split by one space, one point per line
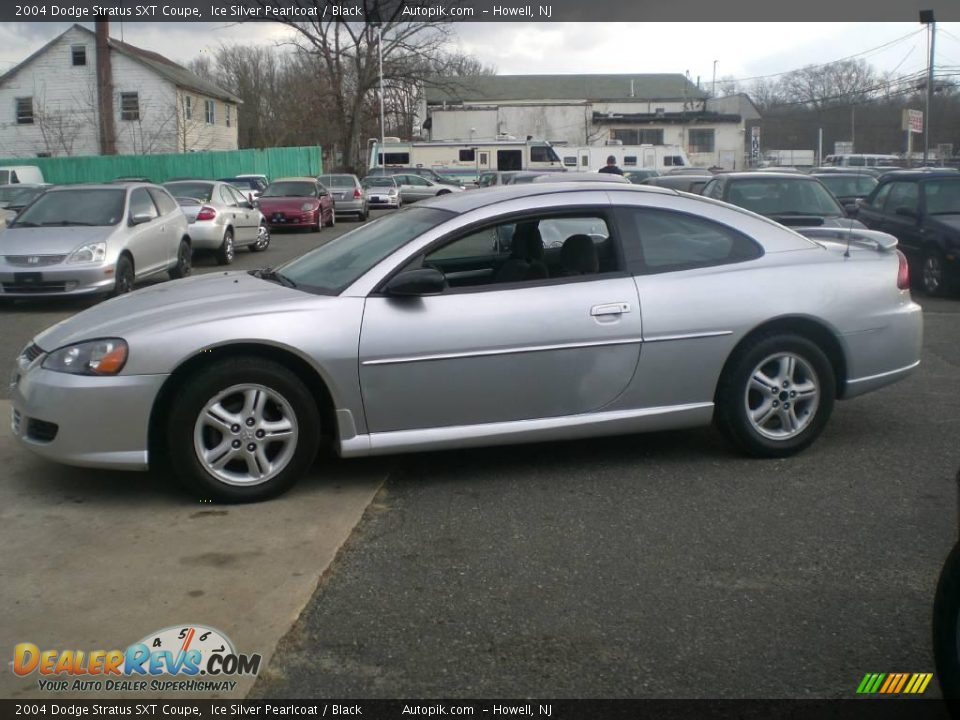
942 196
199 191
903 196
657 241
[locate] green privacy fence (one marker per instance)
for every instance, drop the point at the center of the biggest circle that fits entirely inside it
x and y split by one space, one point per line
272 162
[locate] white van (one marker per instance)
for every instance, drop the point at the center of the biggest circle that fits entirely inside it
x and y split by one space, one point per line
11 174
862 160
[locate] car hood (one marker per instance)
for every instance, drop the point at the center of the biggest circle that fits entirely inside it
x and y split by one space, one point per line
181 304
284 204
49 240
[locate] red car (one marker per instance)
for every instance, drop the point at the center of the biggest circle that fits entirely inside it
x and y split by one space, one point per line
300 202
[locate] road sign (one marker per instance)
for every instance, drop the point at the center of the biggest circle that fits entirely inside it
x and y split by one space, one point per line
842 147
912 120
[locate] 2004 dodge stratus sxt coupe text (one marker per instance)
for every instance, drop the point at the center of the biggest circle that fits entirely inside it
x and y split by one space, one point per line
537 312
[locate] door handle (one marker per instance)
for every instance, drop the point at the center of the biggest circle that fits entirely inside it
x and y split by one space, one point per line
610 309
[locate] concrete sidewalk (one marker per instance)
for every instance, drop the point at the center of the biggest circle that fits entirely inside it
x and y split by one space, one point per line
97 560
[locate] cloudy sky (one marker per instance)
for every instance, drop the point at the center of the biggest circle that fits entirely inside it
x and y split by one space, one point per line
742 50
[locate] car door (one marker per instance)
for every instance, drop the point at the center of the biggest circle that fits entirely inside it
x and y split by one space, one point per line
233 213
870 212
415 188
146 240
173 220
495 352
247 217
902 215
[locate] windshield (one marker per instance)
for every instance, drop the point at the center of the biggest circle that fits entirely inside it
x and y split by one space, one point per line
198 191
943 196
290 189
338 181
849 185
332 267
784 196
244 184
17 196
74 207
379 182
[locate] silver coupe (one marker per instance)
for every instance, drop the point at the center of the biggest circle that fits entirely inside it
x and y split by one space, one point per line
451 324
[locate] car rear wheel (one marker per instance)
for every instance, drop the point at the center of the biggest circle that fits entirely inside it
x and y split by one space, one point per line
932 274
226 250
776 395
332 219
184 261
946 629
263 239
124 278
242 430
362 217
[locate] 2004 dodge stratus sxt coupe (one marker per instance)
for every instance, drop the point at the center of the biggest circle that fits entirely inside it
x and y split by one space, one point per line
504 315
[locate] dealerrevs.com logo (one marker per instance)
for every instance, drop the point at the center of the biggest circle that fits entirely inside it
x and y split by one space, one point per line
181 658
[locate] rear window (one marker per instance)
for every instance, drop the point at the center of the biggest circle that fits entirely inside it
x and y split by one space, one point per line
198 191
338 181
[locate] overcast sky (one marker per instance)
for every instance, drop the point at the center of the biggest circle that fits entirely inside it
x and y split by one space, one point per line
741 50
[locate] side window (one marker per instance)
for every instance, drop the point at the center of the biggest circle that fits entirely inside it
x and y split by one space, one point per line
141 204
226 198
163 201
533 249
712 189
417 181
881 197
903 196
238 196
659 241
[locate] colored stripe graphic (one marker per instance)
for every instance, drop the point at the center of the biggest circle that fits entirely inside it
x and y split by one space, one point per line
894 683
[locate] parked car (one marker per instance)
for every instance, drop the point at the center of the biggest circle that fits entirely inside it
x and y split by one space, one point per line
383 191
349 196
691 183
946 627
687 170
831 169
554 177
638 176
299 202
405 335
13 174
13 198
848 187
791 199
132 178
249 186
221 218
423 172
495 177
921 208
414 187
93 239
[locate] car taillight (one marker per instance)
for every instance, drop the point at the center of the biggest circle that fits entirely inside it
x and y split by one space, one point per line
206 213
357 194
903 272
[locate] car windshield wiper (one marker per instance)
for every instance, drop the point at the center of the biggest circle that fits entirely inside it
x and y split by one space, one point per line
272 275
798 212
66 223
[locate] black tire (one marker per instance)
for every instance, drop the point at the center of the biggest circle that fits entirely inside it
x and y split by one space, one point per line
734 396
934 277
124 276
204 386
362 217
946 625
332 222
225 253
263 239
184 264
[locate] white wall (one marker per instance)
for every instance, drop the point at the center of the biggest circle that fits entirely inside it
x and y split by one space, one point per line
195 134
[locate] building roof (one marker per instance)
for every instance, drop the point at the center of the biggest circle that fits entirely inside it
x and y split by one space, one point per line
505 88
166 68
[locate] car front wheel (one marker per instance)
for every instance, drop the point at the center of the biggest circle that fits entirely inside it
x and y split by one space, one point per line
946 629
242 430
932 275
184 261
125 278
263 239
776 395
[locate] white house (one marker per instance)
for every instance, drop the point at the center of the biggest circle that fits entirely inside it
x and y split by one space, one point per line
49 102
661 109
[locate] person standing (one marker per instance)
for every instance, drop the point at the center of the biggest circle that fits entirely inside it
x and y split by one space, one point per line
611 167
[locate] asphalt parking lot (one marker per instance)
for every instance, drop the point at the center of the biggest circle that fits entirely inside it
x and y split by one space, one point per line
662 565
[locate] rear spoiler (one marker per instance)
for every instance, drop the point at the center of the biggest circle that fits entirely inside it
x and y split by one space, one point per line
880 241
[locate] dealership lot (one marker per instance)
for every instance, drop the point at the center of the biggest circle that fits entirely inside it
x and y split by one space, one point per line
660 565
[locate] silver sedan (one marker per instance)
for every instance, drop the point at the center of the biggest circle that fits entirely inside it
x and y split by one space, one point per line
450 324
221 218
414 187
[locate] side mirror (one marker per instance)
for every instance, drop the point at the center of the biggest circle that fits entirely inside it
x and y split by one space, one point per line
852 209
140 218
412 283
250 204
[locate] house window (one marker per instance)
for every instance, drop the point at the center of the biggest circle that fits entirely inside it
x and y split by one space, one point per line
24 111
226 114
700 141
129 106
467 155
211 112
638 136
188 107
78 55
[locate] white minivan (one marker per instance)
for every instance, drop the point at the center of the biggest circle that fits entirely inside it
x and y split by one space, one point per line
11 174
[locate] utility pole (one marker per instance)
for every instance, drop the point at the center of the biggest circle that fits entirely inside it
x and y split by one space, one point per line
383 130
926 17
713 90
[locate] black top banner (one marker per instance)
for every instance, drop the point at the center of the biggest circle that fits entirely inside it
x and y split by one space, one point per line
476 11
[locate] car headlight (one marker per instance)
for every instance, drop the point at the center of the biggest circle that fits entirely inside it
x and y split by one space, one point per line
393 191
307 206
91 252
94 357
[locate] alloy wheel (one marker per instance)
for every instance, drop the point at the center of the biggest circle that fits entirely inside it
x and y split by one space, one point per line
782 396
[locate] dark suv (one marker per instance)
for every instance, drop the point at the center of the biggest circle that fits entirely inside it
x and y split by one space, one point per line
921 208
